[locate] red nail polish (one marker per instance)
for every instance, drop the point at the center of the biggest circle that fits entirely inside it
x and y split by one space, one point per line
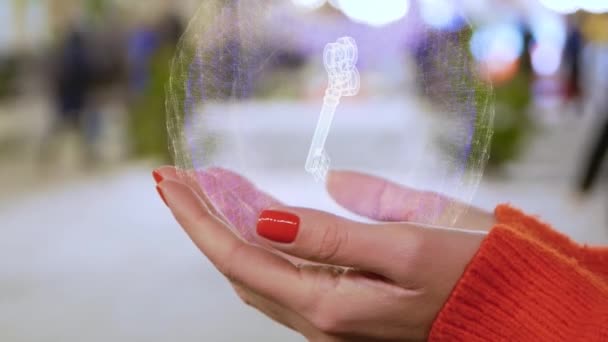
157 176
160 193
278 226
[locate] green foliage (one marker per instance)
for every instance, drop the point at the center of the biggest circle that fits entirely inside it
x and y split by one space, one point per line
148 129
8 75
511 120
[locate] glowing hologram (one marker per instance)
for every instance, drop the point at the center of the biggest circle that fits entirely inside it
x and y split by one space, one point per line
340 60
425 121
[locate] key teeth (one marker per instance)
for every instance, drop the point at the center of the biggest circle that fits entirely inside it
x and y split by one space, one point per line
323 168
320 167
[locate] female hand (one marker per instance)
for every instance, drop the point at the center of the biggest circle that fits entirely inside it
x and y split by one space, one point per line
332 279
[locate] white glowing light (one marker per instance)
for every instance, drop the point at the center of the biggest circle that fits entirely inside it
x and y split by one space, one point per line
595 6
561 6
571 6
375 13
549 32
502 43
546 59
309 4
439 14
549 28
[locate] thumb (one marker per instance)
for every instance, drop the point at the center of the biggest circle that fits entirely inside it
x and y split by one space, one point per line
383 200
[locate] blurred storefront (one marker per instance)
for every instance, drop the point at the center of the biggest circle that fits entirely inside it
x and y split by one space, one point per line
78 209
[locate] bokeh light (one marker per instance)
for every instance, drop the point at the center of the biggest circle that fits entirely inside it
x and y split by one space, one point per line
549 32
440 14
309 4
571 6
375 13
546 59
501 44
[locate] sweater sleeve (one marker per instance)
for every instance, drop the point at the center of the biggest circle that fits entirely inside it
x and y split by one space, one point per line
595 259
527 283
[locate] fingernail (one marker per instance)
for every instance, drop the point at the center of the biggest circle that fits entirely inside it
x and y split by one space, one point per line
278 226
157 176
160 193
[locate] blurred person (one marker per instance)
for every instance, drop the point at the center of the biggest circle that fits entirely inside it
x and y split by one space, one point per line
595 28
572 59
9 72
599 150
72 79
141 46
500 277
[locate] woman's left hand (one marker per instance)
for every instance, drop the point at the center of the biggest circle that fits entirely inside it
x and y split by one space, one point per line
356 281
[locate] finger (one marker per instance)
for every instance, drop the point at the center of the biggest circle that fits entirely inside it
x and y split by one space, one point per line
382 200
242 203
329 239
354 304
272 309
233 198
263 272
350 304
228 195
236 198
189 177
244 188
388 249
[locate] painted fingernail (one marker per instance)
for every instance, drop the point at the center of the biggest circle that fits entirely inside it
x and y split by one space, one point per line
157 176
160 193
278 226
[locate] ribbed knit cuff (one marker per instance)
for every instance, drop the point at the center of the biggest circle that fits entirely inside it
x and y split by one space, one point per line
595 259
518 289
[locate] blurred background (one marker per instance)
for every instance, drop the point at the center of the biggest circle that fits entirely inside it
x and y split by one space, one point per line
88 251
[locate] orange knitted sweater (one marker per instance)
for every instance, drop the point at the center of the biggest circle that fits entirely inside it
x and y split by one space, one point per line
528 283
